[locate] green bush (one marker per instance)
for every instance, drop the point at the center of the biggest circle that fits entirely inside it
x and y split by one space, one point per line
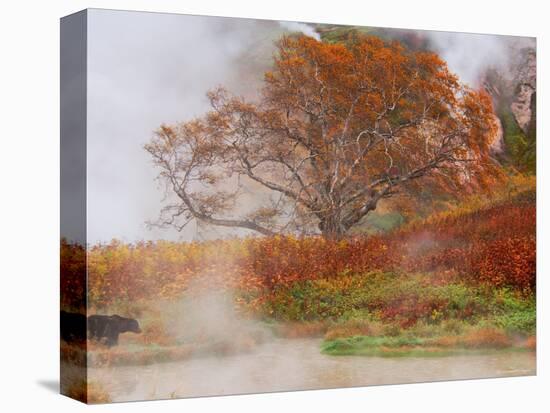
514 313
377 295
520 147
403 304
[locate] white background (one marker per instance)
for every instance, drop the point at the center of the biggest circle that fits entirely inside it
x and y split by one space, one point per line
29 206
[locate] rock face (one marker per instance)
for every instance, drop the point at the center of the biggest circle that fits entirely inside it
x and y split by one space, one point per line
513 89
497 145
525 81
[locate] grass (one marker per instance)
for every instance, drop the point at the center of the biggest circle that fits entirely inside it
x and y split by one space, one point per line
402 298
482 341
400 314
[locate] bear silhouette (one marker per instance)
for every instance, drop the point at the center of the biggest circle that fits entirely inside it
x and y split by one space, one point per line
72 327
106 328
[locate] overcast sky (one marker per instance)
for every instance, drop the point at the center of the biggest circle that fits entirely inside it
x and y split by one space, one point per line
145 69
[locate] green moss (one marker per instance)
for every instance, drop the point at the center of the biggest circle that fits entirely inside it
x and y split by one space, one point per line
520 147
377 222
337 34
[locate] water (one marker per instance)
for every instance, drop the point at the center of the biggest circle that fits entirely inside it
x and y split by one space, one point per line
297 364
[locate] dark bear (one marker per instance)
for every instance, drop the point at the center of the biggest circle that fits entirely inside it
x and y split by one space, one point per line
72 327
106 328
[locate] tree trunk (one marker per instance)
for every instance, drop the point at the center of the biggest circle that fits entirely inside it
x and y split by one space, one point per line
332 228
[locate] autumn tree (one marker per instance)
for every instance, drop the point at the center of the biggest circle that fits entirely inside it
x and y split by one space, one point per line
335 129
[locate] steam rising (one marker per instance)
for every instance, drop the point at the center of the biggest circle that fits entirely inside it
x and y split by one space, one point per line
470 55
301 28
207 317
146 69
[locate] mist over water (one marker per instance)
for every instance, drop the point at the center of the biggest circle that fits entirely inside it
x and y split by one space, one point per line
286 365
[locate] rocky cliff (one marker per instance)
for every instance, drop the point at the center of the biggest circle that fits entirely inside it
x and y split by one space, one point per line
513 89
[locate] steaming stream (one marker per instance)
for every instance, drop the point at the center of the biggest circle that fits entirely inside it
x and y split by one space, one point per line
296 364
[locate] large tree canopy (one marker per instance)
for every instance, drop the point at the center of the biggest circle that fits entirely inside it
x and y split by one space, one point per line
336 128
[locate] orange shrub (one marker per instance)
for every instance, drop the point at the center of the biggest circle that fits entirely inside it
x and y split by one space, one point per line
407 310
350 329
493 245
300 330
445 341
150 334
73 276
509 261
283 260
486 338
531 343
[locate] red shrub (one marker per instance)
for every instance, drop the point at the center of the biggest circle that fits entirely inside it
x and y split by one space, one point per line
408 310
495 246
283 260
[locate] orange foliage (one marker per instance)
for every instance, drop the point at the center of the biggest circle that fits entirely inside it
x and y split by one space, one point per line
152 334
486 338
350 329
283 260
479 338
531 343
495 245
301 329
73 276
